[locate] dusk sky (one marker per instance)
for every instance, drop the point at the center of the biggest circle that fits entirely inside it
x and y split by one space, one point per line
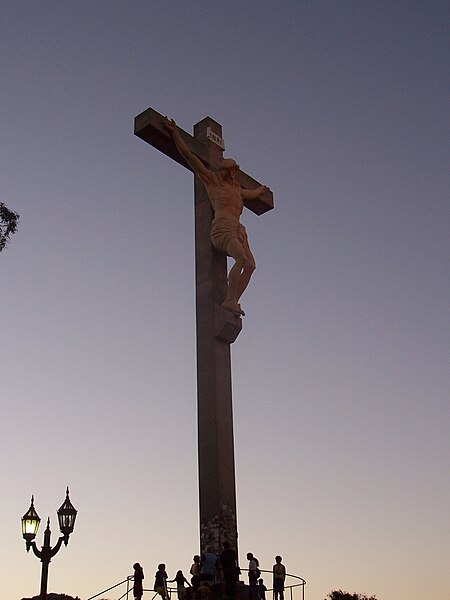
341 374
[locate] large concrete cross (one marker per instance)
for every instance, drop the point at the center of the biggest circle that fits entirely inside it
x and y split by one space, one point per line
217 328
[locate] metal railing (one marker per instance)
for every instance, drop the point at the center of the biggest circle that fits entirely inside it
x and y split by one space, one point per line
292 591
116 585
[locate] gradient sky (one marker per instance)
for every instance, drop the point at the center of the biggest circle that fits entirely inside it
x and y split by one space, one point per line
341 372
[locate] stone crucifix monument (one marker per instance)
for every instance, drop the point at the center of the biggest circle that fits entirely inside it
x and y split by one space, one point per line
221 191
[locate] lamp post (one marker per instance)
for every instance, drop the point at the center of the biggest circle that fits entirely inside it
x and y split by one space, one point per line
30 525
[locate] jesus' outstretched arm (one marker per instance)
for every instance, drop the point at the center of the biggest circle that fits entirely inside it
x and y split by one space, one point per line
195 163
252 194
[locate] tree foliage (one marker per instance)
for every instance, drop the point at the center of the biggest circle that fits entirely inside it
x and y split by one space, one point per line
340 595
8 224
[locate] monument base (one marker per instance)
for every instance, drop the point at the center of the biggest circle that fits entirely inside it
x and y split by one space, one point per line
217 592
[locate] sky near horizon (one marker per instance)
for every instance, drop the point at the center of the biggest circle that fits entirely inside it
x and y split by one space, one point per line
341 373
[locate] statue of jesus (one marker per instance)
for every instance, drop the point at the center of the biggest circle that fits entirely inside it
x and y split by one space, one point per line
228 235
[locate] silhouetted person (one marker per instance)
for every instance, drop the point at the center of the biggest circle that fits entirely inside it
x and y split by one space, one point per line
180 580
208 567
204 592
161 581
253 574
279 575
261 589
230 571
195 572
138 577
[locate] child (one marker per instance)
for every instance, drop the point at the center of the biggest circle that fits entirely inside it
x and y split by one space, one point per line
261 590
180 580
204 592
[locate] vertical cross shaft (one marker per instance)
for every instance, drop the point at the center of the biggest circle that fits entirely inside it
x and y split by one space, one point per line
214 401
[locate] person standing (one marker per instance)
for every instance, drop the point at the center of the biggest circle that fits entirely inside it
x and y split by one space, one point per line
195 572
180 580
253 574
138 577
208 567
229 567
161 581
279 575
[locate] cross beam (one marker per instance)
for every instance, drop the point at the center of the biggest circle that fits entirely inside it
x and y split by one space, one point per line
149 127
217 328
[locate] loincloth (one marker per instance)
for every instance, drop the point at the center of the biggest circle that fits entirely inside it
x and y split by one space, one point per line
224 230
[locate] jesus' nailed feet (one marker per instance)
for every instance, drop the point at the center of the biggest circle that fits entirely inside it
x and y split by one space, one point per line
233 307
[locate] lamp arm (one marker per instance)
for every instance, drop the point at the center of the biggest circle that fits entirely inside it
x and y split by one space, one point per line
36 552
57 546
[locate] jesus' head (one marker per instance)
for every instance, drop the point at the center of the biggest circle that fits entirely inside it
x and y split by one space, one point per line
228 169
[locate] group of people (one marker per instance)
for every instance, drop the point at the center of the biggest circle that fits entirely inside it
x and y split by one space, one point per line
206 569
257 589
161 582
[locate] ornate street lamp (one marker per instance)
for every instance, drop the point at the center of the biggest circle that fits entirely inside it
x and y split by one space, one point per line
30 525
66 517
